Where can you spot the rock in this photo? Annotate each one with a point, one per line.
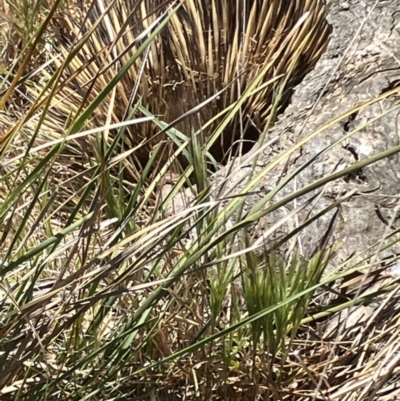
(348, 321)
(362, 62)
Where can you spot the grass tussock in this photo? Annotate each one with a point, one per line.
(124, 273)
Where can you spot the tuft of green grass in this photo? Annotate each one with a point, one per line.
(124, 282)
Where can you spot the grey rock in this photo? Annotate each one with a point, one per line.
(362, 62)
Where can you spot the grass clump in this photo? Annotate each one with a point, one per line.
(129, 279)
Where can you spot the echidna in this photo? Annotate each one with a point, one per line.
(206, 47)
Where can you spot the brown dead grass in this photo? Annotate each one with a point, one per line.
(338, 356)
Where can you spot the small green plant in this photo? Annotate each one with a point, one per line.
(114, 288)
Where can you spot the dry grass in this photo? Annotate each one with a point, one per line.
(106, 293)
(181, 71)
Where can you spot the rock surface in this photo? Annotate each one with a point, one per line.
(362, 62)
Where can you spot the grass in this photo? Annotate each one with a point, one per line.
(139, 279)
